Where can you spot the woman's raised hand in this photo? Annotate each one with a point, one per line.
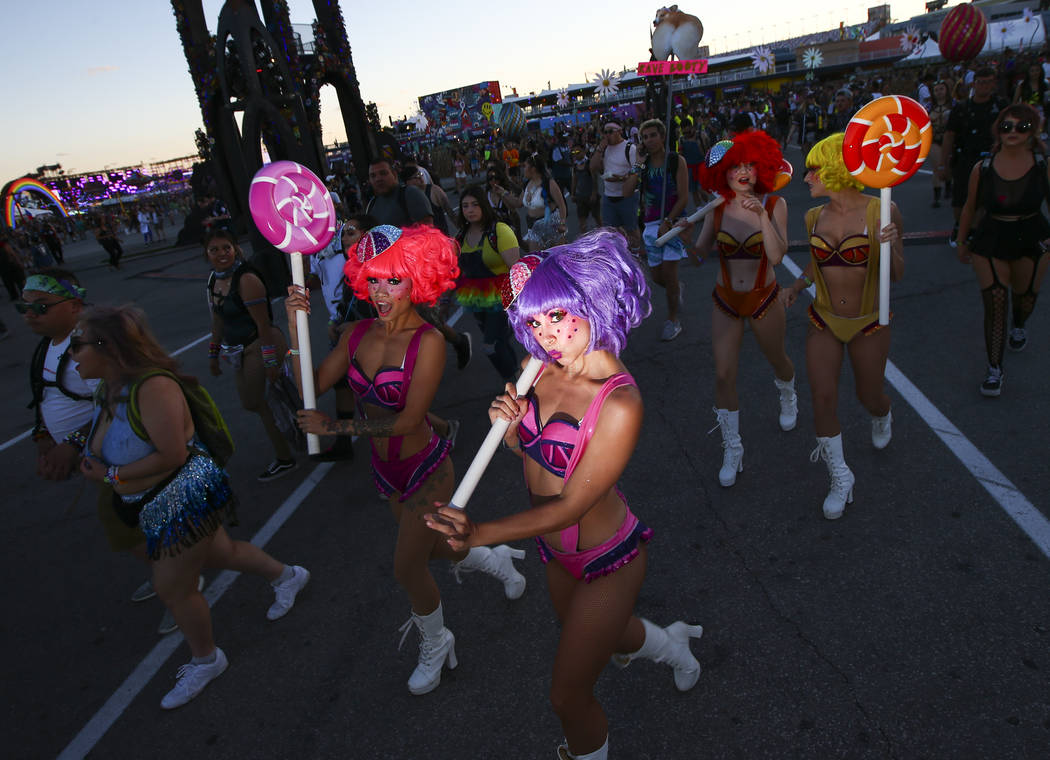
(298, 300)
(508, 407)
(452, 523)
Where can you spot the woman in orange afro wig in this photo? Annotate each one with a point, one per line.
(749, 231)
(394, 365)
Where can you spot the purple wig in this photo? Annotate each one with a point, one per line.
(594, 277)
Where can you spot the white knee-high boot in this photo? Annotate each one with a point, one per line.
(842, 480)
(881, 430)
(437, 646)
(670, 646)
(788, 403)
(497, 562)
(602, 753)
(732, 447)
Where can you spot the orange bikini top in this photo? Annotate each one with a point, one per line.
(730, 248)
(852, 251)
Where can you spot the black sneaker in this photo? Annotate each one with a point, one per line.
(464, 349)
(278, 469)
(1018, 339)
(993, 384)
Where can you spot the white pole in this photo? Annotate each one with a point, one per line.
(693, 218)
(306, 362)
(884, 258)
(466, 486)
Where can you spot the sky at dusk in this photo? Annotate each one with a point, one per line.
(97, 83)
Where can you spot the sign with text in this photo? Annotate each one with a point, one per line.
(664, 68)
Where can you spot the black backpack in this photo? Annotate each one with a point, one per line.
(37, 383)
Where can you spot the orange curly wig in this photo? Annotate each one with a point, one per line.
(751, 147)
(423, 254)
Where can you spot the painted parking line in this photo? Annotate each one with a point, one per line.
(1008, 496)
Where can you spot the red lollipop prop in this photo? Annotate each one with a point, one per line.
(293, 210)
(963, 33)
(886, 142)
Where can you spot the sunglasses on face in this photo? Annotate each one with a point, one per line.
(75, 344)
(40, 309)
(1021, 127)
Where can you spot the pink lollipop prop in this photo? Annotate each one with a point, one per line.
(294, 212)
(886, 142)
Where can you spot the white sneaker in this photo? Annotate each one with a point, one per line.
(881, 431)
(671, 330)
(191, 680)
(286, 592)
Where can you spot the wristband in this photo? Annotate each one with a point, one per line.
(76, 439)
(269, 356)
(515, 447)
(112, 476)
(213, 350)
(806, 280)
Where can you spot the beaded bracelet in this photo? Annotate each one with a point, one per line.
(213, 350)
(269, 355)
(806, 280)
(76, 439)
(112, 476)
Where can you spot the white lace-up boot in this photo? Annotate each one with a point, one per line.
(497, 562)
(670, 646)
(788, 403)
(602, 753)
(732, 447)
(881, 430)
(437, 646)
(841, 493)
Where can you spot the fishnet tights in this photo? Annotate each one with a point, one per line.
(994, 297)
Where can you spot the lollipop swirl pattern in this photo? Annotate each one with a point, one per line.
(292, 207)
(887, 141)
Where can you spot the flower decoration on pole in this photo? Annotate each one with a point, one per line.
(762, 59)
(606, 84)
(563, 97)
(811, 59)
(420, 122)
(1027, 17)
(910, 40)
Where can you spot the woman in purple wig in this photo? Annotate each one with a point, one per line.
(572, 308)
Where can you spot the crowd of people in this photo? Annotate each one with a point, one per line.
(111, 404)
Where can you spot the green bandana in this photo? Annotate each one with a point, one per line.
(45, 283)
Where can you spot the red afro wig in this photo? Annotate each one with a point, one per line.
(751, 147)
(422, 254)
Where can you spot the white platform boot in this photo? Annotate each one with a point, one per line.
(497, 562)
(602, 753)
(881, 430)
(841, 493)
(788, 403)
(732, 447)
(437, 646)
(670, 646)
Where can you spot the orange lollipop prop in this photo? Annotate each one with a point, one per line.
(886, 142)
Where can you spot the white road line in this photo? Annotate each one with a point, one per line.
(1027, 517)
(26, 434)
(118, 702)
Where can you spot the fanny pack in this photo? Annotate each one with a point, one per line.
(232, 355)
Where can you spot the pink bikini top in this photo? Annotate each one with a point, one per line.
(559, 445)
(389, 387)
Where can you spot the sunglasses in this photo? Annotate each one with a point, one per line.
(1022, 127)
(75, 344)
(39, 309)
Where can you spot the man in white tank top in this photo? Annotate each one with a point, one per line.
(614, 160)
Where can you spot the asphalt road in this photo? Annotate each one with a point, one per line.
(917, 626)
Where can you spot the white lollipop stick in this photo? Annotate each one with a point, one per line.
(693, 218)
(306, 362)
(884, 259)
(466, 486)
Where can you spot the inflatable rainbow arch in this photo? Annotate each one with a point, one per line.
(13, 188)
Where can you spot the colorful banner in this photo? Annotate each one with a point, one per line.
(665, 68)
(453, 111)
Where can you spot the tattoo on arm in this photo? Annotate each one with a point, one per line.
(380, 428)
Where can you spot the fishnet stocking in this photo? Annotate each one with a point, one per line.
(994, 297)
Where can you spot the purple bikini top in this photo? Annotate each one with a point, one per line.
(389, 387)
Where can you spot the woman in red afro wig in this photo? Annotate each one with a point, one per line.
(394, 365)
(749, 231)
